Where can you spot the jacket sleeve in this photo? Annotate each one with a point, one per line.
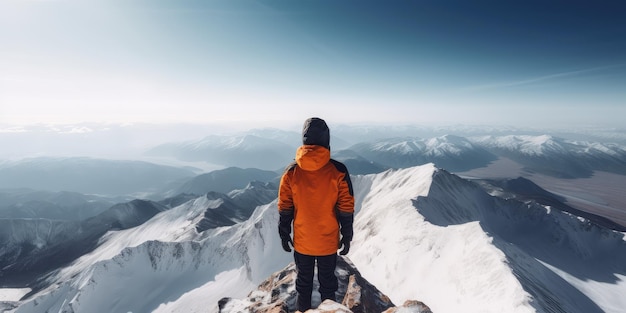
(285, 206)
(285, 195)
(345, 203)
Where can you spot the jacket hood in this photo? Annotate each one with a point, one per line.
(312, 157)
(316, 132)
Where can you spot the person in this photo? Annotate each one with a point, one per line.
(315, 194)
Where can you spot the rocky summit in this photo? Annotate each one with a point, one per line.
(277, 294)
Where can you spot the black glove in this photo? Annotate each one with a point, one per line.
(286, 243)
(284, 229)
(346, 221)
(346, 246)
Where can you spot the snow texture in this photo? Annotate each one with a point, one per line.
(423, 233)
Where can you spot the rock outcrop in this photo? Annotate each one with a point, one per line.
(277, 294)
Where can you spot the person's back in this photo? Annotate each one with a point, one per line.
(316, 194)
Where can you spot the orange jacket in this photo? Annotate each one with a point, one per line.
(317, 189)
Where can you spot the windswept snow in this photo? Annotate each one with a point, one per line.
(423, 233)
(163, 262)
(452, 269)
(610, 295)
(234, 283)
(13, 294)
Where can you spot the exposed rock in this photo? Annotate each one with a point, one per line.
(361, 296)
(277, 294)
(329, 306)
(410, 306)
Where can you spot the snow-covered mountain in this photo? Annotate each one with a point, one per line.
(237, 206)
(165, 265)
(32, 247)
(35, 246)
(421, 233)
(557, 156)
(366, 133)
(254, 194)
(526, 191)
(88, 175)
(425, 233)
(246, 151)
(544, 154)
(450, 152)
(273, 149)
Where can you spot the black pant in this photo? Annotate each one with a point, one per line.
(305, 265)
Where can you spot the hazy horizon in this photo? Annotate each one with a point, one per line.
(271, 63)
(133, 140)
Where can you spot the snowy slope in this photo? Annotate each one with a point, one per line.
(32, 247)
(163, 263)
(426, 234)
(420, 233)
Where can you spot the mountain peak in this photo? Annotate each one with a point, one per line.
(433, 224)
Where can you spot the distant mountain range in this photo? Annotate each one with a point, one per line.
(451, 152)
(246, 151)
(556, 156)
(89, 176)
(265, 152)
(224, 180)
(62, 205)
(544, 154)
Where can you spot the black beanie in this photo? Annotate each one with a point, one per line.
(316, 132)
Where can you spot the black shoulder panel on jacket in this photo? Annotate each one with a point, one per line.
(290, 167)
(340, 166)
(343, 169)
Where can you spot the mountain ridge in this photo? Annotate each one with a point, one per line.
(451, 217)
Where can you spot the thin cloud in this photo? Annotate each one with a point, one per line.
(11, 79)
(535, 80)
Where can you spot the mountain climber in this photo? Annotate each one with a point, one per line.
(315, 194)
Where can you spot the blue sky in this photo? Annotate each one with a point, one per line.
(263, 63)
